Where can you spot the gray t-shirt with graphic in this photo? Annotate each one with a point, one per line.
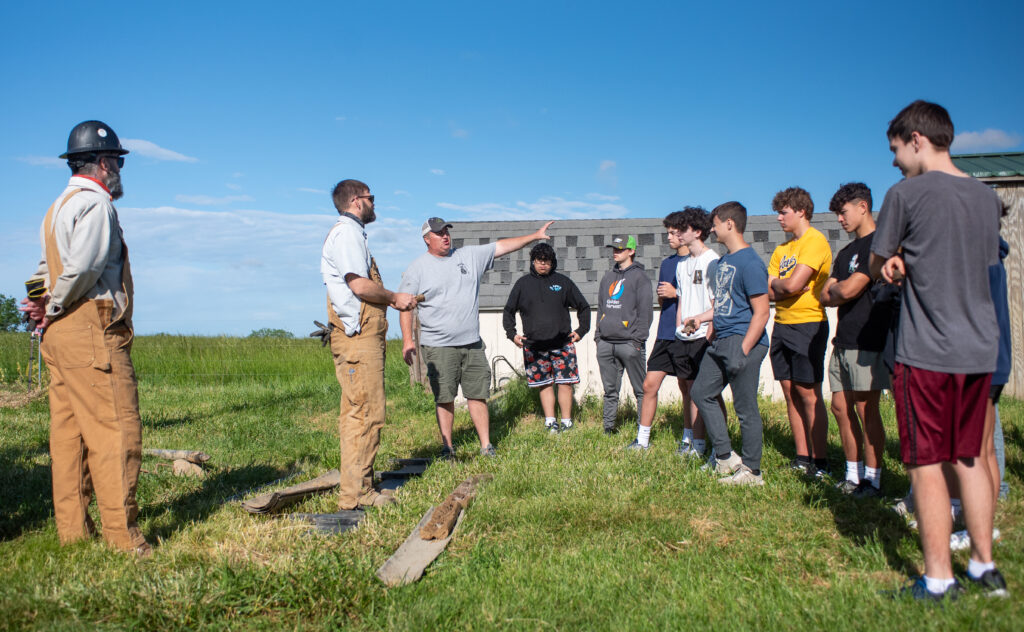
(948, 227)
(450, 312)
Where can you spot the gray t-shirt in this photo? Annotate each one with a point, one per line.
(450, 313)
(948, 227)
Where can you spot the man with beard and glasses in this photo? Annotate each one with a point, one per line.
(85, 320)
(357, 303)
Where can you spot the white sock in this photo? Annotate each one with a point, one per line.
(687, 435)
(698, 445)
(567, 423)
(874, 476)
(549, 421)
(937, 586)
(643, 435)
(853, 471)
(976, 569)
(860, 470)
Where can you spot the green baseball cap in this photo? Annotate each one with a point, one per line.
(620, 242)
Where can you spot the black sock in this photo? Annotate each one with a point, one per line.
(806, 460)
(821, 464)
(755, 472)
(723, 458)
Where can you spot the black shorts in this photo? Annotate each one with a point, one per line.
(680, 358)
(798, 352)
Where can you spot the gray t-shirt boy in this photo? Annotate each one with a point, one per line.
(948, 227)
(450, 313)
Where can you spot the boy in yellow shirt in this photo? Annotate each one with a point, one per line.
(797, 273)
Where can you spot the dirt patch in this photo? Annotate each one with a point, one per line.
(17, 398)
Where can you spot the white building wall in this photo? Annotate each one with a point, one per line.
(493, 335)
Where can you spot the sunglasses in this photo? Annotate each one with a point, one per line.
(368, 197)
(118, 159)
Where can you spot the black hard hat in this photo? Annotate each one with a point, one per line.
(91, 136)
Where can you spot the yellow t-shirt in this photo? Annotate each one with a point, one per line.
(811, 250)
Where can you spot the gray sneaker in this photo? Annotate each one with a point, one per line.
(636, 447)
(687, 451)
(743, 476)
(724, 466)
(846, 486)
(488, 451)
(566, 425)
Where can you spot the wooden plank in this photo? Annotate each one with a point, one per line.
(415, 555)
(1013, 232)
(275, 501)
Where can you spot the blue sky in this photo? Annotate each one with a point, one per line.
(242, 116)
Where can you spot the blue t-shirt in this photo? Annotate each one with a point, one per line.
(667, 321)
(733, 279)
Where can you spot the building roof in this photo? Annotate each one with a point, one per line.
(582, 256)
(992, 167)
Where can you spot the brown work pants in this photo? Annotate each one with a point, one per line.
(95, 429)
(359, 365)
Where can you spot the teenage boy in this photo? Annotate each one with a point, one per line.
(544, 298)
(738, 282)
(625, 307)
(796, 275)
(938, 228)
(857, 372)
(672, 356)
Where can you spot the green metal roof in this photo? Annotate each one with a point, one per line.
(991, 165)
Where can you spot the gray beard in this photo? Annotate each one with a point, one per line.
(114, 185)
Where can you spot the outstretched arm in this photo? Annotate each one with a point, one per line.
(511, 244)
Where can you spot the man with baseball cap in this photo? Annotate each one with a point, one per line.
(86, 321)
(625, 307)
(449, 280)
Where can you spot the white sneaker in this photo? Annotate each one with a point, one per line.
(724, 466)
(961, 541)
(743, 476)
(687, 451)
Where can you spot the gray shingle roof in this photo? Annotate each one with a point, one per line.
(579, 246)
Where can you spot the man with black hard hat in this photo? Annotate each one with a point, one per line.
(85, 319)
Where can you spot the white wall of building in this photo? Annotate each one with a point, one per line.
(493, 335)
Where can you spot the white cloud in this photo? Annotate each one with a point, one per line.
(340, 118)
(607, 172)
(437, 172)
(209, 200)
(233, 186)
(549, 207)
(43, 161)
(402, 192)
(246, 268)
(309, 190)
(237, 174)
(601, 197)
(152, 150)
(988, 140)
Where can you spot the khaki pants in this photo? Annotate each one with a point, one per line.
(359, 365)
(95, 429)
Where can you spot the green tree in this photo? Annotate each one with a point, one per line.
(10, 317)
(267, 332)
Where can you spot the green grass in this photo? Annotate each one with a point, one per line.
(572, 532)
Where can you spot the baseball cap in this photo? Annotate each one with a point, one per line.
(622, 241)
(434, 225)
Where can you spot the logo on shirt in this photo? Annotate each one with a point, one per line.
(463, 269)
(786, 266)
(853, 264)
(616, 289)
(555, 288)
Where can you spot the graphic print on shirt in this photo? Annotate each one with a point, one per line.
(698, 277)
(463, 269)
(615, 289)
(853, 263)
(786, 266)
(724, 275)
(555, 288)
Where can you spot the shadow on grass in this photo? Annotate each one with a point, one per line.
(217, 488)
(26, 497)
(1013, 435)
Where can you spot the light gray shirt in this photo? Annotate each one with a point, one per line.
(450, 313)
(948, 227)
(345, 251)
(88, 237)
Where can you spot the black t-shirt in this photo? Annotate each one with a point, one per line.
(863, 323)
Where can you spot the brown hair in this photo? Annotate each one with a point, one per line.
(795, 198)
(734, 211)
(930, 120)
(344, 191)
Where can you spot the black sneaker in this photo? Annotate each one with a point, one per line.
(447, 454)
(801, 467)
(609, 431)
(866, 490)
(991, 583)
(919, 592)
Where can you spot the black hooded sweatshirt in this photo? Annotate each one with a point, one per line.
(544, 302)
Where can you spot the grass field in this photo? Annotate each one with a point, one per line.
(572, 532)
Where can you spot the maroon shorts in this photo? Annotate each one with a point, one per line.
(941, 416)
